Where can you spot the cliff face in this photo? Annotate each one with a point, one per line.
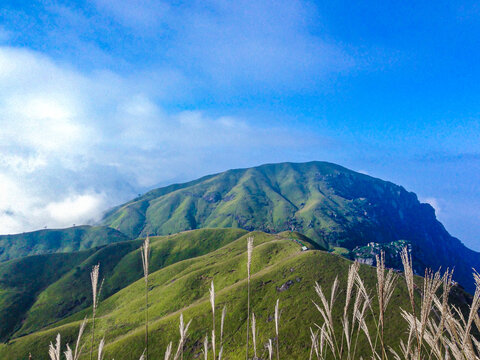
(334, 206)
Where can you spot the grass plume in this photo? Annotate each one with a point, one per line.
(212, 303)
(94, 276)
(249, 264)
(277, 324)
(145, 252)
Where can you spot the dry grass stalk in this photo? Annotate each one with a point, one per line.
(212, 303)
(69, 354)
(168, 351)
(94, 276)
(183, 336)
(254, 337)
(314, 347)
(353, 323)
(100, 349)
(249, 263)
(205, 348)
(409, 279)
(277, 323)
(145, 252)
(54, 351)
(385, 288)
(270, 349)
(325, 308)
(224, 313)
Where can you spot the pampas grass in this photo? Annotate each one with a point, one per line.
(212, 303)
(205, 348)
(224, 313)
(277, 323)
(100, 349)
(270, 349)
(69, 354)
(249, 264)
(54, 351)
(183, 336)
(94, 276)
(254, 336)
(145, 252)
(168, 351)
(385, 288)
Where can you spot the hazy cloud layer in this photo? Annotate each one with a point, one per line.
(73, 144)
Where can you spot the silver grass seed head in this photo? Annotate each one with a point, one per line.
(254, 337)
(100, 349)
(222, 322)
(54, 351)
(277, 316)
(249, 253)
(68, 353)
(94, 274)
(145, 252)
(168, 351)
(270, 349)
(212, 297)
(205, 347)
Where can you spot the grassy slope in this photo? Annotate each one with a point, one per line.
(57, 240)
(39, 290)
(21, 281)
(183, 287)
(334, 206)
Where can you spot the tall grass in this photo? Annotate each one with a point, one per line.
(94, 276)
(145, 252)
(249, 264)
(212, 303)
(437, 330)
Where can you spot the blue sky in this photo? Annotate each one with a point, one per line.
(102, 99)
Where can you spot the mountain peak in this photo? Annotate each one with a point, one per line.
(334, 206)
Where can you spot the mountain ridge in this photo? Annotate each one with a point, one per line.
(46, 241)
(334, 206)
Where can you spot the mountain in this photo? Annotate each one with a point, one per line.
(182, 268)
(57, 240)
(338, 208)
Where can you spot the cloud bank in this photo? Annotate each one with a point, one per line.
(75, 143)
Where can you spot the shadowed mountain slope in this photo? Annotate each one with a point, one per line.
(57, 240)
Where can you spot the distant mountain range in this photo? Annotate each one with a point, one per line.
(343, 211)
(340, 209)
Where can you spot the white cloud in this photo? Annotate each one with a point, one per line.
(74, 144)
(76, 208)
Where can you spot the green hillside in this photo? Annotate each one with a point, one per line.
(336, 207)
(57, 240)
(180, 285)
(39, 290)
